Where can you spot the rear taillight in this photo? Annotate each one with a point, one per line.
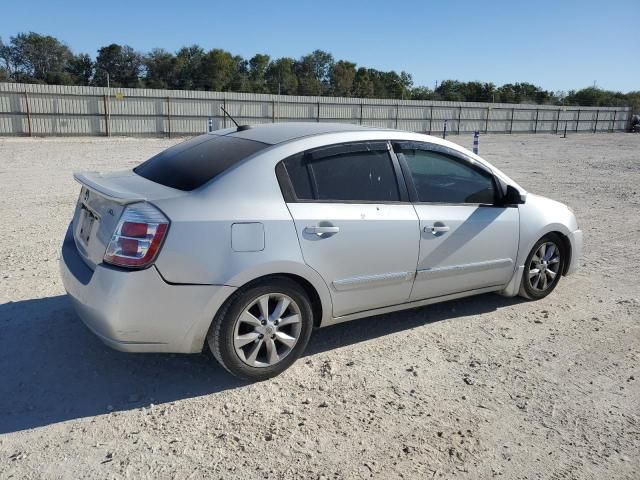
(138, 236)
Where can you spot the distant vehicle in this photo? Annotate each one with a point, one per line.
(247, 238)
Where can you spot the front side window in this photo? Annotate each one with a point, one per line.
(344, 174)
(439, 178)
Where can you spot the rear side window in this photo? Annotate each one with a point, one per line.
(193, 163)
(344, 173)
(439, 178)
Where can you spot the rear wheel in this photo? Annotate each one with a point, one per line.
(262, 329)
(543, 268)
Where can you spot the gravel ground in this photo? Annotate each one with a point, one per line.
(481, 387)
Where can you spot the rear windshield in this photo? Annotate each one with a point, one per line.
(193, 163)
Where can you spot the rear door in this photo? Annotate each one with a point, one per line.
(468, 240)
(355, 224)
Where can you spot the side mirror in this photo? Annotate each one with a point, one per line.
(512, 196)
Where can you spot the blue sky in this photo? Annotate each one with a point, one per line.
(559, 45)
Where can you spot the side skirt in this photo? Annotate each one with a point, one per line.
(410, 305)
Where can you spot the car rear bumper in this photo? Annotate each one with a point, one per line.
(576, 251)
(136, 310)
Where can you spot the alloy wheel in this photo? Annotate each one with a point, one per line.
(544, 266)
(267, 330)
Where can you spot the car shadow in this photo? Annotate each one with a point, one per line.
(53, 369)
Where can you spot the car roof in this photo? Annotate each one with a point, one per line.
(274, 133)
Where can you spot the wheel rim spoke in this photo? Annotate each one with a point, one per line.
(281, 307)
(250, 319)
(263, 305)
(242, 340)
(543, 250)
(272, 352)
(534, 272)
(551, 274)
(536, 281)
(291, 319)
(550, 251)
(251, 359)
(288, 340)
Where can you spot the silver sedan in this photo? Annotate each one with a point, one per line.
(247, 238)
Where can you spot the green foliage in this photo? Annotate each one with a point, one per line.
(342, 77)
(281, 77)
(161, 69)
(34, 58)
(595, 97)
(80, 68)
(121, 62)
(313, 72)
(258, 66)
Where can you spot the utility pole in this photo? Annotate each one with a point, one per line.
(106, 103)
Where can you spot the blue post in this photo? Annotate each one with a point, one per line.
(210, 124)
(476, 141)
(444, 130)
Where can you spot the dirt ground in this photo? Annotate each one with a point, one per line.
(475, 388)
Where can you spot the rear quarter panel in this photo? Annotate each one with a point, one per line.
(199, 245)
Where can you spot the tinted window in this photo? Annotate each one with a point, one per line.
(344, 175)
(193, 163)
(441, 179)
(299, 176)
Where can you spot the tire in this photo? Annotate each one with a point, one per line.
(536, 286)
(243, 341)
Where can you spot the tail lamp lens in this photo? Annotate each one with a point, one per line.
(138, 236)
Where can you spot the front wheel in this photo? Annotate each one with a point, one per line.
(262, 329)
(543, 268)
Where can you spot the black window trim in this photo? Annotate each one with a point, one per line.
(453, 155)
(289, 194)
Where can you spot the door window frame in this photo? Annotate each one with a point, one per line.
(452, 154)
(318, 153)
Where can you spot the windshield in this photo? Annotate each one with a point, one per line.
(193, 163)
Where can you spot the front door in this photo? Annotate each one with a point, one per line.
(355, 226)
(467, 241)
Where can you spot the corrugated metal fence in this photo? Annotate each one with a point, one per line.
(42, 110)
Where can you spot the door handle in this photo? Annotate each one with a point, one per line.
(435, 229)
(320, 230)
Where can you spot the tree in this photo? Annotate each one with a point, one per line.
(258, 66)
(240, 78)
(281, 77)
(80, 68)
(189, 70)
(160, 67)
(342, 77)
(313, 73)
(421, 93)
(363, 83)
(451, 91)
(123, 64)
(31, 57)
(218, 69)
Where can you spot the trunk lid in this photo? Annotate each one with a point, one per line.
(102, 199)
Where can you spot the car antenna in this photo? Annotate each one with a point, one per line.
(227, 114)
